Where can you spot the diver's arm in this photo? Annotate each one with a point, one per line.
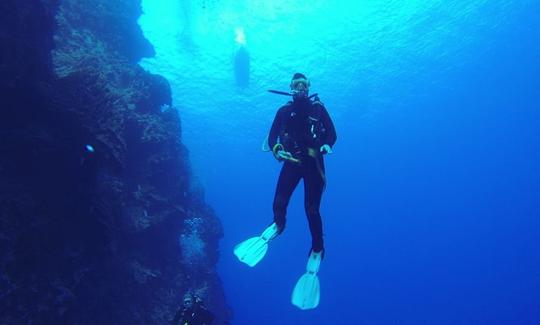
(331, 137)
(274, 130)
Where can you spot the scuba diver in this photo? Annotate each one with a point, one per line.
(193, 312)
(301, 133)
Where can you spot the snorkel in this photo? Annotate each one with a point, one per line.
(284, 93)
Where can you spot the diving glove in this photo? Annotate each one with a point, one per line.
(278, 147)
(284, 155)
(280, 154)
(325, 148)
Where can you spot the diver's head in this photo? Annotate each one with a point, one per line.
(300, 87)
(188, 301)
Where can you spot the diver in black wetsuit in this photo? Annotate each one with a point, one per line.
(193, 312)
(302, 132)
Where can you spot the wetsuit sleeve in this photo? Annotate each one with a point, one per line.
(275, 129)
(331, 136)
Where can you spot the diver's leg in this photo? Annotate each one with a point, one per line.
(313, 189)
(288, 180)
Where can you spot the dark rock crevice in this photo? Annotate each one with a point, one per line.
(115, 233)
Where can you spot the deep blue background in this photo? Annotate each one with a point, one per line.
(432, 219)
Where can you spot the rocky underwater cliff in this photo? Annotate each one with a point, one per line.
(101, 221)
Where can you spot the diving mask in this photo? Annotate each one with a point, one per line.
(300, 88)
(295, 83)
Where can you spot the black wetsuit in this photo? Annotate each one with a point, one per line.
(302, 127)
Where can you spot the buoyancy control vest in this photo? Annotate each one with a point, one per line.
(302, 126)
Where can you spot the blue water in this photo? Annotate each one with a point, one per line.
(432, 209)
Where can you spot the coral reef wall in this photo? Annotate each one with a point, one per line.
(100, 220)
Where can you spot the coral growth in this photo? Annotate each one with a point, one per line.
(191, 243)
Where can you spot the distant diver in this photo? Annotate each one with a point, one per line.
(193, 312)
(241, 67)
(241, 60)
(88, 154)
(301, 133)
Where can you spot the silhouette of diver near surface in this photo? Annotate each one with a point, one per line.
(241, 60)
(241, 67)
(193, 312)
(301, 133)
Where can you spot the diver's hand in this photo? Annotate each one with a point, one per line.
(284, 155)
(277, 150)
(326, 149)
